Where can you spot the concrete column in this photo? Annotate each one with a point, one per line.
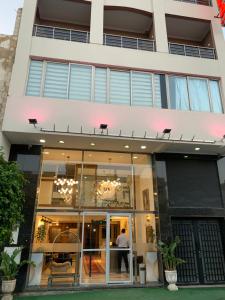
(5, 144)
(160, 26)
(97, 22)
(20, 68)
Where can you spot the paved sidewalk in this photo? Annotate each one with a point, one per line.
(137, 294)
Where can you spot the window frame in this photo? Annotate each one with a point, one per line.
(130, 72)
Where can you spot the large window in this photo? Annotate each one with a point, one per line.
(88, 83)
(85, 200)
(105, 85)
(92, 179)
(197, 94)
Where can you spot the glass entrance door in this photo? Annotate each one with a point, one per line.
(120, 261)
(93, 256)
(106, 249)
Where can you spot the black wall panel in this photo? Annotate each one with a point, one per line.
(193, 183)
(28, 159)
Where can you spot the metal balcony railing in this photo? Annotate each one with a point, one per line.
(195, 51)
(202, 2)
(61, 34)
(129, 42)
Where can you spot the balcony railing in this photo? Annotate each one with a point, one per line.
(187, 50)
(129, 42)
(61, 34)
(202, 2)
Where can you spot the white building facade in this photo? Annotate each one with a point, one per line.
(116, 115)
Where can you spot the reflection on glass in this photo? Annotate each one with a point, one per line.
(178, 93)
(119, 265)
(145, 245)
(56, 250)
(120, 248)
(94, 235)
(107, 180)
(199, 94)
(93, 267)
(60, 183)
(143, 180)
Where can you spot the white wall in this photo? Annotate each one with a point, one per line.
(63, 112)
(89, 115)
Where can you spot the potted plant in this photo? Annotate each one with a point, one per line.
(170, 261)
(10, 268)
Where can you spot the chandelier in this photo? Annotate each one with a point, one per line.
(65, 188)
(106, 189)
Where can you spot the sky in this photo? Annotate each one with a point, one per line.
(8, 10)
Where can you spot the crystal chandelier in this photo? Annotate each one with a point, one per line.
(106, 189)
(65, 188)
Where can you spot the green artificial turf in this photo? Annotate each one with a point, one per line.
(137, 294)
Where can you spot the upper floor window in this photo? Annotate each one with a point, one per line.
(88, 83)
(197, 94)
(113, 86)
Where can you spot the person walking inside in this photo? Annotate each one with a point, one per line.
(122, 241)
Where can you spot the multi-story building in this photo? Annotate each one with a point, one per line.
(115, 114)
(7, 54)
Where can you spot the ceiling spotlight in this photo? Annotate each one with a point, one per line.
(92, 144)
(61, 142)
(103, 126)
(197, 149)
(185, 156)
(33, 122)
(126, 146)
(135, 157)
(143, 147)
(167, 131)
(42, 141)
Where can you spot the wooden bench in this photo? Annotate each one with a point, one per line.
(62, 275)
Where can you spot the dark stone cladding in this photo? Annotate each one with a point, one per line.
(174, 203)
(169, 208)
(29, 161)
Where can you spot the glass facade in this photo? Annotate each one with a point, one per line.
(85, 201)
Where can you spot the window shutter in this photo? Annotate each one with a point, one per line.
(34, 78)
(141, 89)
(120, 87)
(101, 85)
(56, 80)
(80, 83)
(157, 91)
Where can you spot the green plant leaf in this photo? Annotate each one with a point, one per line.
(12, 199)
(167, 251)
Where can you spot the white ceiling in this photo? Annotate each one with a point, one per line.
(186, 29)
(65, 11)
(104, 143)
(124, 20)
